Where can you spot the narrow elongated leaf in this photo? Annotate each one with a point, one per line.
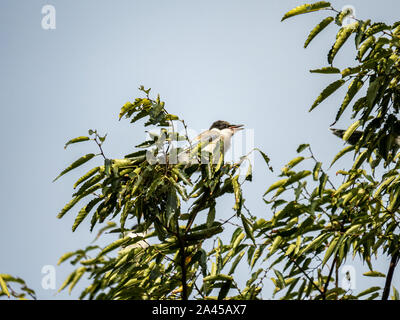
(341, 154)
(3, 286)
(394, 202)
(275, 244)
(326, 70)
(89, 183)
(276, 185)
(236, 262)
(247, 228)
(302, 147)
(354, 87)
(79, 273)
(374, 274)
(316, 170)
(384, 185)
(294, 162)
(87, 176)
(365, 46)
(75, 200)
(372, 92)
(331, 249)
(84, 212)
(369, 290)
(306, 8)
(76, 140)
(327, 92)
(266, 159)
(351, 130)
(375, 28)
(317, 29)
(76, 164)
(218, 277)
(341, 37)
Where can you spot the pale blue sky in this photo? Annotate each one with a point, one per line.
(228, 59)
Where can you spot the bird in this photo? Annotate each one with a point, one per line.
(219, 130)
(353, 139)
(356, 136)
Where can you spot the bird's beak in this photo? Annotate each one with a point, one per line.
(236, 127)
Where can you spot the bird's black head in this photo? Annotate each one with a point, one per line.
(220, 125)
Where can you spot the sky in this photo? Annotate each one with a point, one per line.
(209, 60)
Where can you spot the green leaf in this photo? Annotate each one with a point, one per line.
(394, 201)
(67, 281)
(84, 212)
(354, 87)
(306, 8)
(294, 162)
(76, 140)
(266, 159)
(217, 277)
(384, 185)
(297, 176)
(247, 228)
(76, 164)
(211, 216)
(275, 245)
(183, 176)
(326, 70)
(316, 170)
(341, 37)
(79, 273)
(75, 200)
(87, 176)
(276, 185)
(342, 153)
(372, 92)
(375, 28)
(365, 46)
(314, 32)
(374, 274)
(369, 290)
(125, 108)
(114, 245)
(327, 92)
(236, 262)
(351, 130)
(396, 295)
(302, 147)
(3, 286)
(89, 183)
(361, 32)
(331, 249)
(65, 256)
(281, 279)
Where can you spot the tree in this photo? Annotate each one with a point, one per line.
(164, 199)
(316, 224)
(320, 226)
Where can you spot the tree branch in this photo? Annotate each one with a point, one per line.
(389, 277)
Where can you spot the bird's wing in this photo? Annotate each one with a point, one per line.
(209, 138)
